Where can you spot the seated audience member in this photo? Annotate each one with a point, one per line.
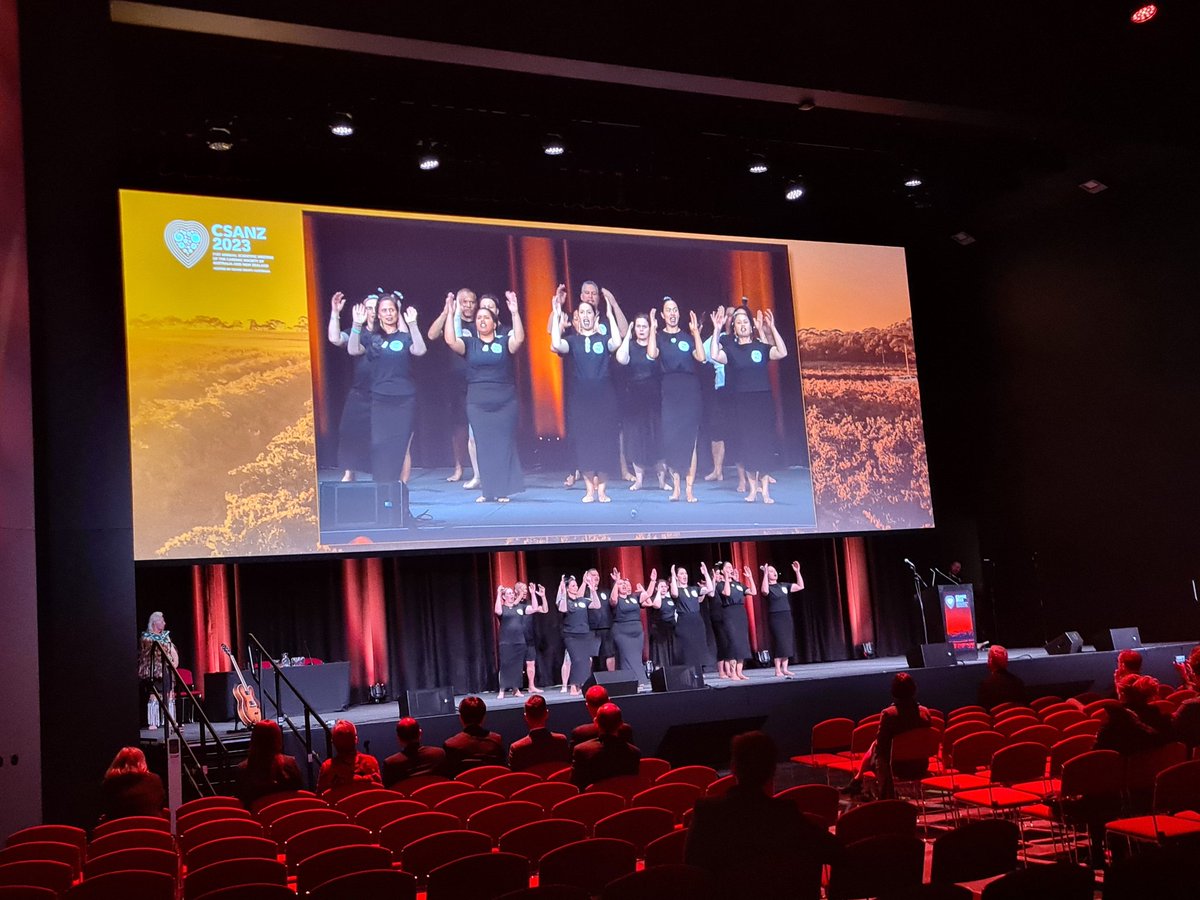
(266, 768)
(541, 745)
(1001, 685)
(1129, 662)
(607, 755)
(1186, 722)
(348, 767)
(1135, 725)
(130, 788)
(905, 714)
(474, 745)
(594, 698)
(753, 844)
(1189, 671)
(413, 758)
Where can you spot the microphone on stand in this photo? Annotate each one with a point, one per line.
(908, 562)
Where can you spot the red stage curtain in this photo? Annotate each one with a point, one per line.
(212, 590)
(858, 590)
(745, 553)
(366, 625)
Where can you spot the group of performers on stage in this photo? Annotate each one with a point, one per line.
(646, 421)
(608, 624)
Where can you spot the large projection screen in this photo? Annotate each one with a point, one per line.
(247, 418)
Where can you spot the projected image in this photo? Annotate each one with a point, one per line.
(520, 384)
(308, 380)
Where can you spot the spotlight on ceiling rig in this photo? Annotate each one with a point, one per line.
(794, 190)
(341, 124)
(553, 145)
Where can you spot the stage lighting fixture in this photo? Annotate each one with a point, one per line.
(219, 138)
(912, 181)
(428, 162)
(553, 145)
(1143, 14)
(795, 190)
(758, 164)
(806, 104)
(1092, 186)
(961, 237)
(341, 124)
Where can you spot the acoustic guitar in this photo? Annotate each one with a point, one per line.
(247, 706)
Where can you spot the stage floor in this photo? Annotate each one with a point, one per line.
(447, 515)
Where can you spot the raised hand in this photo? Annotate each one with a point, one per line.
(718, 318)
(359, 314)
(796, 567)
(704, 570)
(769, 318)
(559, 298)
(616, 574)
(693, 322)
(653, 575)
(338, 301)
(449, 302)
(749, 575)
(653, 319)
(410, 315)
(758, 320)
(609, 299)
(511, 299)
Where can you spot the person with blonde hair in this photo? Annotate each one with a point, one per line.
(151, 668)
(129, 787)
(348, 766)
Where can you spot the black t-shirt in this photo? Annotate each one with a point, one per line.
(488, 361)
(576, 619)
(746, 371)
(589, 356)
(716, 610)
(737, 595)
(779, 597)
(601, 619)
(641, 368)
(689, 598)
(391, 364)
(360, 379)
(512, 624)
(628, 609)
(675, 353)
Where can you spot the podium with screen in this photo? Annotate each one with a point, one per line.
(958, 616)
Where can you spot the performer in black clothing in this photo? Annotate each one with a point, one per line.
(657, 596)
(691, 641)
(681, 354)
(393, 394)
(779, 615)
(641, 397)
(737, 622)
(461, 443)
(714, 587)
(491, 397)
(354, 429)
(629, 636)
(512, 640)
(600, 618)
(588, 356)
(745, 359)
(533, 597)
(577, 634)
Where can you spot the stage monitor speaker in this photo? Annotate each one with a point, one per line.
(677, 678)
(438, 701)
(363, 504)
(928, 656)
(618, 684)
(1118, 639)
(1067, 642)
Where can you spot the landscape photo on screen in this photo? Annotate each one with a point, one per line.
(310, 379)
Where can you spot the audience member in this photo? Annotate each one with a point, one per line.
(1189, 671)
(413, 758)
(1135, 725)
(266, 768)
(1186, 722)
(1001, 685)
(594, 698)
(1129, 662)
(541, 745)
(753, 844)
(348, 767)
(607, 755)
(905, 714)
(474, 745)
(130, 788)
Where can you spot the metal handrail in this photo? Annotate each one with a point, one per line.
(205, 725)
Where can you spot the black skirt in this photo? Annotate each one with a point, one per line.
(593, 427)
(492, 412)
(691, 641)
(354, 432)
(391, 431)
(681, 410)
(512, 665)
(737, 633)
(629, 641)
(662, 644)
(783, 635)
(757, 442)
(580, 648)
(640, 412)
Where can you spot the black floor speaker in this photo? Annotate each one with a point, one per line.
(928, 656)
(1118, 639)
(363, 504)
(676, 678)
(1067, 642)
(618, 684)
(438, 701)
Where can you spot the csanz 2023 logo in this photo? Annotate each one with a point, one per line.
(187, 241)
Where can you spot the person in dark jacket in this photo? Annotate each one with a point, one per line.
(413, 758)
(130, 788)
(1001, 685)
(541, 745)
(606, 756)
(594, 698)
(905, 714)
(266, 768)
(474, 745)
(1135, 725)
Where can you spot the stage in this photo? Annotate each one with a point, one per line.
(695, 726)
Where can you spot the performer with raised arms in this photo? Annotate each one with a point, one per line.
(681, 354)
(528, 595)
(581, 645)
(641, 401)
(629, 637)
(461, 443)
(691, 641)
(354, 428)
(779, 615)
(512, 640)
(737, 622)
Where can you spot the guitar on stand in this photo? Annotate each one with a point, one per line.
(248, 710)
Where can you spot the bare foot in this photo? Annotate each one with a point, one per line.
(741, 487)
(471, 485)
(574, 690)
(636, 486)
(691, 498)
(675, 495)
(500, 696)
(589, 498)
(517, 694)
(604, 498)
(787, 673)
(535, 690)
(569, 481)
(563, 690)
(714, 476)
(628, 476)
(481, 499)
(752, 496)
(458, 474)
(767, 499)
(348, 475)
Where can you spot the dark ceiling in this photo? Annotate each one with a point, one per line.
(1068, 85)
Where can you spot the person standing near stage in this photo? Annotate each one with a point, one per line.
(354, 428)
(737, 622)
(641, 398)
(681, 354)
(461, 445)
(151, 669)
(745, 358)
(577, 633)
(600, 619)
(629, 637)
(528, 596)
(512, 640)
(393, 393)
(492, 398)
(779, 615)
(594, 422)
(657, 596)
(714, 587)
(691, 641)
